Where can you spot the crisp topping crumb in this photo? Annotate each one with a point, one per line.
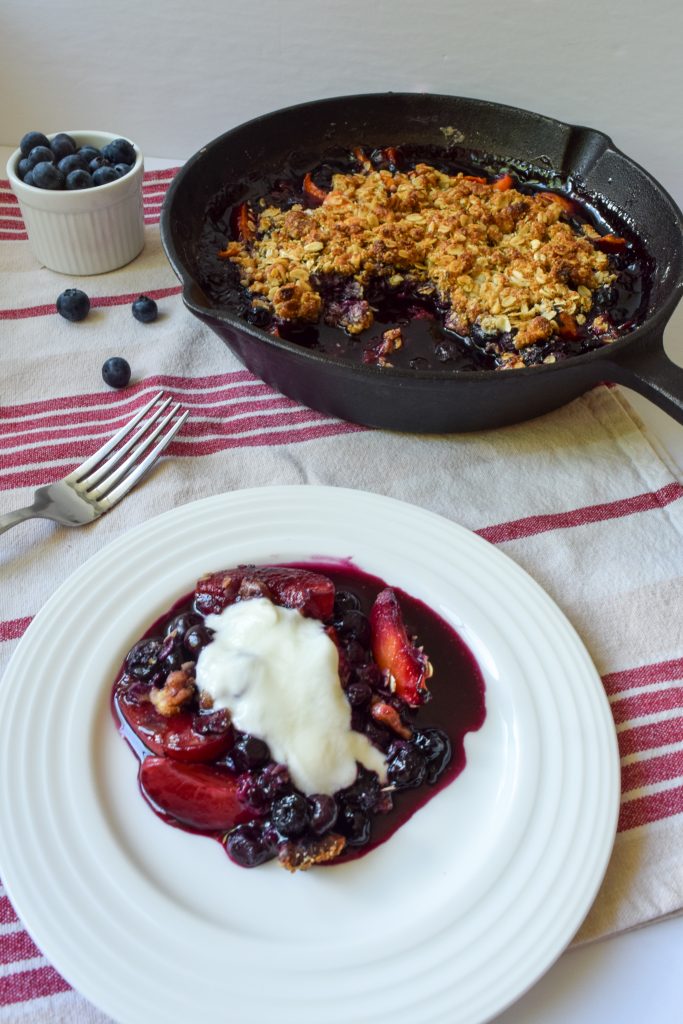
(175, 694)
(302, 856)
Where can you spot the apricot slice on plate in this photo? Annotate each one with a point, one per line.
(198, 795)
(407, 665)
(310, 592)
(178, 736)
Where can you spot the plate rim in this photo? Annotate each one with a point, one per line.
(191, 509)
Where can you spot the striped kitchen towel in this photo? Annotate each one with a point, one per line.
(580, 498)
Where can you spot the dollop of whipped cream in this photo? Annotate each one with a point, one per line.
(277, 673)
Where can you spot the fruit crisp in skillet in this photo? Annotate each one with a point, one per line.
(287, 712)
(509, 275)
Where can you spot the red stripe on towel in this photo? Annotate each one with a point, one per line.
(533, 525)
(648, 703)
(24, 986)
(646, 809)
(17, 946)
(644, 675)
(14, 628)
(651, 770)
(7, 912)
(651, 736)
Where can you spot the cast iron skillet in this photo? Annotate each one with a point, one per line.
(424, 400)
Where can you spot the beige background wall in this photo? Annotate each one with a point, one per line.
(173, 74)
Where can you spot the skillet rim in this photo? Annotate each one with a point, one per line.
(644, 332)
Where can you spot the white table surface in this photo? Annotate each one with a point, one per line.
(635, 977)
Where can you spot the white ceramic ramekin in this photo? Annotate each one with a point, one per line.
(89, 231)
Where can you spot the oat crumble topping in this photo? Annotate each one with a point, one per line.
(496, 258)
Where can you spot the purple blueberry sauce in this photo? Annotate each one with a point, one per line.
(273, 813)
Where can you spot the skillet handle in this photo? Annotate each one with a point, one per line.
(648, 370)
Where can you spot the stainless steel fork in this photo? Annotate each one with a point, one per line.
(95, 486)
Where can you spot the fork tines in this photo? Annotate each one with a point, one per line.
(105, 480)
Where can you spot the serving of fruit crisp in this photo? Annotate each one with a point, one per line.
(297, 712)
(412, 259)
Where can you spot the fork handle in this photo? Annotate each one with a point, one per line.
(9, 519)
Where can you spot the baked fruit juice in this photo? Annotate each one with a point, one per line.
(301, 713)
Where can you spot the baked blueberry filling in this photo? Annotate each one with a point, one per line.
(428, 260)
(406, 713)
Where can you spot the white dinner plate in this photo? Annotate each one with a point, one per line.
(451, 920)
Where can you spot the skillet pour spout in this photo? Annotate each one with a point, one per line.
(430, 401)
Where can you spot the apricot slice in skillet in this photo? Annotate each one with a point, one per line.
(243, 222)
(316, 194)
(567, 204)
(610, 243)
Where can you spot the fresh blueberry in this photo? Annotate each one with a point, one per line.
(116, 372)
(46, 175)
(97, 162)
(28, 178)
(73, 304)
(323, 812)
(31, 140)
(145, 309)
(23, 168)
(247, 847)
(104, 175)
(62, 145)
(120, 151)
(197, 637)
(40, 155)
(290, 815)
(88, 153)
(121, 169)
(72, 162)
(79, 179)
